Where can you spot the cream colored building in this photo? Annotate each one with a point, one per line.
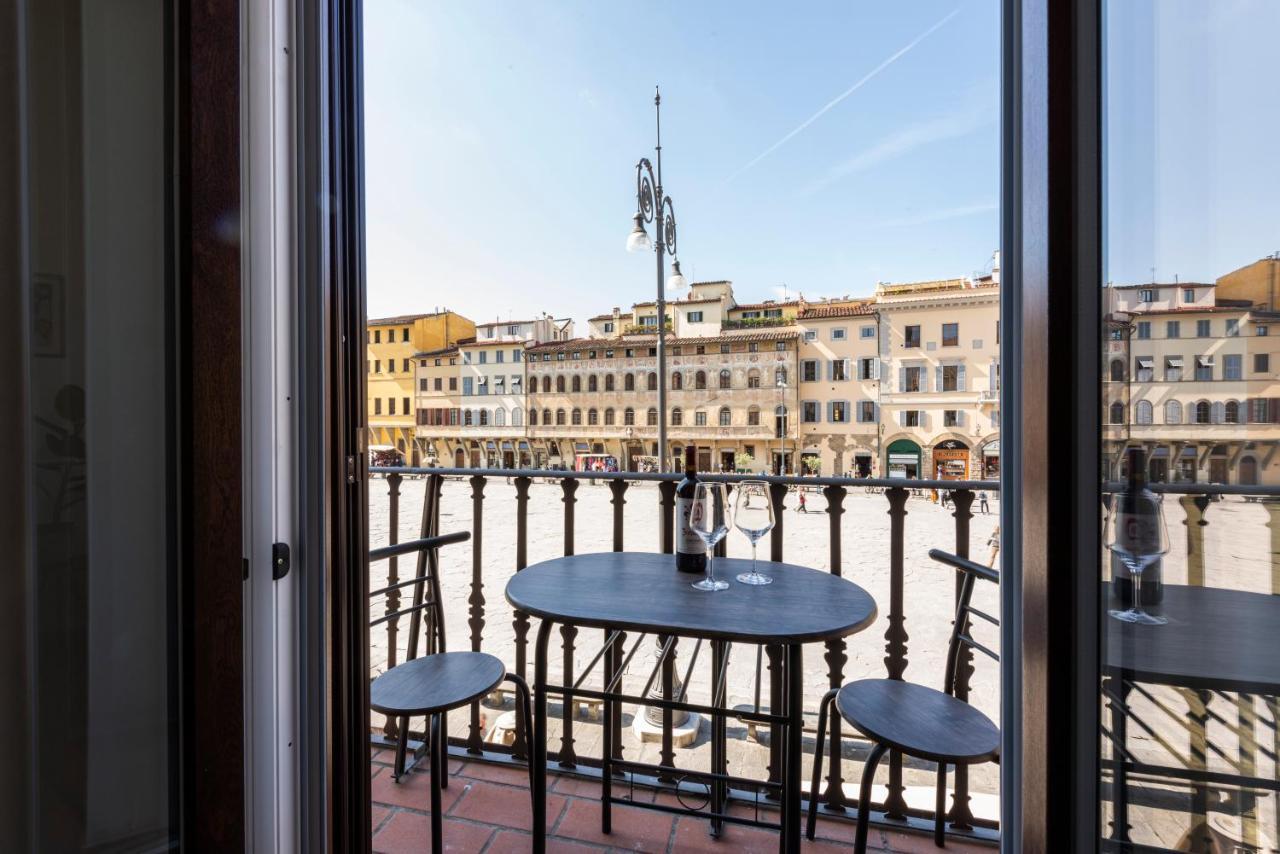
(439, 409)
(839, 389)
(940, 387)
(1192, 377)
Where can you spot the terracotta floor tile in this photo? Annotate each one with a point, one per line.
(692, 834)
(508, 806)
(512, 842)
(380, 815)
(410, 832)
(579, 787)
(508, 774)
(414, 791)
(634, 829)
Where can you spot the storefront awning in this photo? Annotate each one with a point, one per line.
(507, 446)
(581, 447)
(491, 445)
(523, 445)
(991, 449)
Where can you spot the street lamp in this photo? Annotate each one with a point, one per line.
(786, 417)
(655, 207)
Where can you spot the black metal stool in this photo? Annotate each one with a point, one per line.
(922, 722)
(440, 681)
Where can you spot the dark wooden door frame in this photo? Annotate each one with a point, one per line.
(208, 146)
(1051, 238)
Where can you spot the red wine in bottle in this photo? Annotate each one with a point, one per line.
(1133, 502)
(691, 552)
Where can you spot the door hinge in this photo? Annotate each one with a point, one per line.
(279, 560)
(351, 469)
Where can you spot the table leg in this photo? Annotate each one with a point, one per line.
(538, 750)
(606, 755)
(1120, 781)
(718, 732)
(795, 724)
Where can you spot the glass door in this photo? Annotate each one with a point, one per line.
(1189, 709)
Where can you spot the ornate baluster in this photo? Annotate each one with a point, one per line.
(666, 516)
(389, 728)
(960, 816)
(667, 755)
(619, 490)
(569, 486)
(475, 735)
(778, 493)
(835, 656)
(567, 757)
(520, 620)
(895, 662)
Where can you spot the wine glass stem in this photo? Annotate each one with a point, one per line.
(753, 559)
(711, 566)
(1137, 591)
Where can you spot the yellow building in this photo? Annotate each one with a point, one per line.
(839, 389)
(391, 348)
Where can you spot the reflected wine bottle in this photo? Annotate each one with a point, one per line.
(1136, 500)
(691, 552)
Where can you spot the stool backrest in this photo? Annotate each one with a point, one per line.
(961, 636)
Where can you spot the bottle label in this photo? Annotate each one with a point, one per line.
(1137, 533)
(687, 542)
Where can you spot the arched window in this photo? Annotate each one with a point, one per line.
(628, 416)
(546, 383)
(651, 381)
(517, 417)
(500, 417)
(577, 417)
(1231, 412)
(546, 417)
(677, 417)
(1117, 413)
(593, 416)
(1173, 412)
(651, 417)
(484, 417)
(1117, 370)
(677, 380)
(1203, 412)
(726, 417)
(467, 417)
(559, 417)
(593, 383)
(628, 382)
(608, 417)
(560, 383)
(1142, 412)
(575, 385)
(780, 377)
(533, 418)
(700, 379)
(780, 422)
(726, 379)
(1217, 413)
(753, 378)
(608, 382)
(753, 416)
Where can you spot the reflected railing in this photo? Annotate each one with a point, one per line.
(1189, 768)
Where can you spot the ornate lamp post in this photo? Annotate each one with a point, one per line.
(653, 206)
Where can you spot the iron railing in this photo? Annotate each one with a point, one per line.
(895, 492)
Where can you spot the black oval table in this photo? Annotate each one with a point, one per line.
(643, 592)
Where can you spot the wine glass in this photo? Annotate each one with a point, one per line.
(1137, 535)
(709, 519)
(753, 516)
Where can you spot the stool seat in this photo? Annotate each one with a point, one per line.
(918, 720)
(435, 683)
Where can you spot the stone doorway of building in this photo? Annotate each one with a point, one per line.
(459, 459)
(727, 461)
(862, 465)
(951, 460)
(1158, 470)
(1248, 472)
(704, 459)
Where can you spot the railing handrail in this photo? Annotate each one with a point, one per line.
(410, 546)
(789, 480)
(1198, 488)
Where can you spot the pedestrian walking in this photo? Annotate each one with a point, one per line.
(982, 503)
(803, 508)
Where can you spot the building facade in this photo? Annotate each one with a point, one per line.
(391, 348)
(1190, 377)
(940, 392)
(839, 389)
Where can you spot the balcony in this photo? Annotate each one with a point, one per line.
(757, 323)
(876, 532)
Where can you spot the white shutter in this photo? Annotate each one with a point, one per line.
(937, 378)
(960, 382)
(959, 417)
(991, 375)
(902, 379)
(902, 418)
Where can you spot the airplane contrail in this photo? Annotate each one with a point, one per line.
(845, 94)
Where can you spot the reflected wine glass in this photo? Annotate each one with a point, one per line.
(709, 519)
(753, 516)
(1137, 535)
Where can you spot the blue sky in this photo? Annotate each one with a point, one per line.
(820, 148)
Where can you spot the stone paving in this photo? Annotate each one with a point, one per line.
(1238, 554)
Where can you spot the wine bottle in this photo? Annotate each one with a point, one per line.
(1135, 504)
(691, 552)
